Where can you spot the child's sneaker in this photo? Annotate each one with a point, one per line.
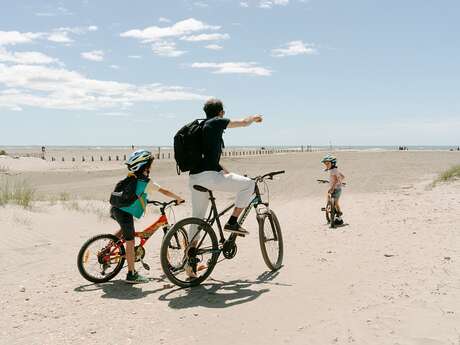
(338, 221)
(135, 278)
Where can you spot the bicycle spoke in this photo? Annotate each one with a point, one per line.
(100, 259)
(202, 240)
(197, 256)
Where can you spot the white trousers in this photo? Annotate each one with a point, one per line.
(218, 181)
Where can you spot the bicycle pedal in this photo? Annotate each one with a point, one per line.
(323, 208)
(146, 266)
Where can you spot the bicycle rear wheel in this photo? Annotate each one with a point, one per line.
(101, 258)
(271, 240)
(189, 252)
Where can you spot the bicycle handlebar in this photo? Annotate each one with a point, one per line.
(163, 204)
(269, 175)
(327, 181)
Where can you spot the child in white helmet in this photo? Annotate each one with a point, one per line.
(335, 184)
(138, 182)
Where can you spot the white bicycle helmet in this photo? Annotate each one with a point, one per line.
(138, 159)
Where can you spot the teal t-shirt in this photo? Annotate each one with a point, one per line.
(137, 208)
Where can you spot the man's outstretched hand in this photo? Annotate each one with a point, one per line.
(257, 118)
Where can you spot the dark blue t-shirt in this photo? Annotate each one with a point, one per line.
(213, 143)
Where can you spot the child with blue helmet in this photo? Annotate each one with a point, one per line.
(335, 183)
(139, 165)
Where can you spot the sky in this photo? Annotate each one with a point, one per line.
(359, 72)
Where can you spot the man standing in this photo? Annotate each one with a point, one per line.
(210, 174)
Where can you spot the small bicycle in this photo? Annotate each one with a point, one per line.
(102, 257)
(330, 209)
(200, 250)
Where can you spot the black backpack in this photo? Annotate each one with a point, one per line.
(188, 146)
(125, 192)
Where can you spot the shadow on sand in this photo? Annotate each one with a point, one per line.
(118, 289)
(219, 294)
(213, 294)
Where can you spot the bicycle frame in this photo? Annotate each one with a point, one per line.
(145, 234)
(214, 214)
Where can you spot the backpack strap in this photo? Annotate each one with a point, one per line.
(142, 202)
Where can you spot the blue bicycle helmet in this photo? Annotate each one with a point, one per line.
(329, 158)
(138, 159)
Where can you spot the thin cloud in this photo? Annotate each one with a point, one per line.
(200, 4)
(135, 56)
(271, 3)
(155, 33)
(244, 4)
(16, 37)
(61, 35)
(167, 49)
(295, 48)
(164, 20)
(26, 58)
(59, 88)
(247, 68)
(58, 35)
(59, 11)
(115, 114)
(95, 55)
(206, 37)
(214, 47)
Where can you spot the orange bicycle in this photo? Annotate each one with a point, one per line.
(102, 257)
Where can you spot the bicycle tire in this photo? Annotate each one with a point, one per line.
(81, 258)
(333, 214)
(327, 211)
(211, 263)
(275, 227)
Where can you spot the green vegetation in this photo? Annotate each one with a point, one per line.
(64, 196)
(449, 175)
(18, 192)
(3, 153)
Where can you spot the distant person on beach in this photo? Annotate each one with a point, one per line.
(129, 200)
(210, 174)
(335, 183)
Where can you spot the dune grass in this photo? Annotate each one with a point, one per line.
(450, 174)
(18, 192)
(3, 153)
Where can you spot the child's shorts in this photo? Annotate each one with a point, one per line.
(126, 222)
(337, 193)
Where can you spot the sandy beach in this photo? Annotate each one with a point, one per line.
(390, 276)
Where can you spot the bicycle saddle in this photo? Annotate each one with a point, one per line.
(201, 189)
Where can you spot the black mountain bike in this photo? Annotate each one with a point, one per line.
(198, 254)
(330, 209)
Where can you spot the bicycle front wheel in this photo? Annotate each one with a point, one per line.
(271, 240)
(327, 211)
(189, 252)
(101, 258)
(333, 213)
